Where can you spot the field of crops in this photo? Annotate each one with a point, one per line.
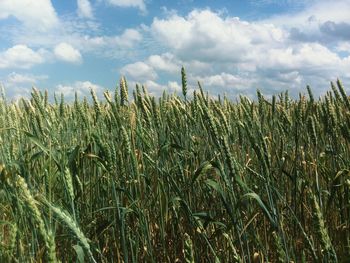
(180, 178)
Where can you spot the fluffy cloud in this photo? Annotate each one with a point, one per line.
(164, 62)
(139, 71)
(18, 85)
(206, 36)
(128, 38)
(318, 21)
(15, 78)
(20, 56)
(343, 47)
(314, 12)
(140, 4)
(82, 88)
(67, 53)
(84, 9)
(295, 3)
(309, 57)
(337, 30)
(224, 80)
(38, 14)
(155, 88)
(106, 46)
(41, 27)
(226, 53)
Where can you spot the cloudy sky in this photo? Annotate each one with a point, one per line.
(232, 47)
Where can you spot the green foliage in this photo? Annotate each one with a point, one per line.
(175, 179)
(184, 82)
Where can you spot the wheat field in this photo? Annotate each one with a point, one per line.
(180, 178)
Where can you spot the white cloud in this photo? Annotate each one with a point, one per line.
(15, 78)
(319, 21)
(67, 53)
(106, 46)
(82, 88)
(311, 57)
(314, 13)
(20, 56)
(38, 14)
(295, 3)
(85, 9)
(139, 71)
(221, 80)
(164, 62)
(343, 47)
(155, 89)
(140, 4)
(206, 36)
(15, 93)
(291, 77)
(43, 28)
(226, 53)
(128, 38)
(174, 86)
(18, 85)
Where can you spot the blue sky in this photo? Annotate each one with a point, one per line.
(232, 47)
